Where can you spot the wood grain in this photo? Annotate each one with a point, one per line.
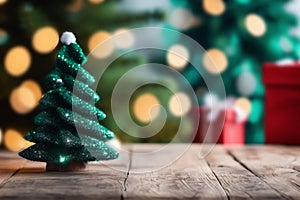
(10, 163)
(240, 172)
(273, 165)
(99, 181)
(238, 182)
(186, 178)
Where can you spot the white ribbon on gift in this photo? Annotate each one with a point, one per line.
(211, 100)
(285, 62)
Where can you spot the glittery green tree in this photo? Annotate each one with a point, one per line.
(68, 133)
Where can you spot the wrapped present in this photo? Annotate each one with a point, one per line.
(282, 102)
(226, 124)
(234, 128)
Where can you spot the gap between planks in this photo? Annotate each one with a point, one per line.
(233, 172)
(237, 181)
(98, 181)
(187, 178)
(275, 165)
(10, 166)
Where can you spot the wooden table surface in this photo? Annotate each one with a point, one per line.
(230, 172)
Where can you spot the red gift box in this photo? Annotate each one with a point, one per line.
(282, 103)
(232, 130)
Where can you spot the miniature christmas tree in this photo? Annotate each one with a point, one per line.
(67, 110)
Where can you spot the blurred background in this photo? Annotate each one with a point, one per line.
(238, 35)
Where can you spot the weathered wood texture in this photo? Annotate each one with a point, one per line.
(10, 163)
(241, 172)
(276, 166)
(187, 178)
(237, 181)
(97, 182)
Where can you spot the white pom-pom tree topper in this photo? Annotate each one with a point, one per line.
(68, 38)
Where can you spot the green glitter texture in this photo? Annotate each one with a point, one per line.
(69, 101)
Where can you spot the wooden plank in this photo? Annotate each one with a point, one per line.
(273, 165)
(246, 172)
(293, 151)
(99, 181)
(188, 177)
(238, 182)
(10, 163)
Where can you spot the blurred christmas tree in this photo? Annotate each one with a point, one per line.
(29, 34)
(239, 35)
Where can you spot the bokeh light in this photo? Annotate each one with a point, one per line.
(34, 87)
(210, 99)
(106, 48)
(286, 44)
(146, 108)
(255, 25)
(14, 141)
(178, 56)
(215, 61)
(182, 19)
(22, 100)
(180, 104)
(126, 40)
(17, 61)
(214, 7)
(246, 83)
(3, 36)
(244, 104)
(2, 2)
(96, 1)
(45, 39)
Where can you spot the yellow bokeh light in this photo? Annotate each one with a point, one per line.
(214, 7)
(215, 61)
(34, 87)
(96, 1)
(22, 100)
(125, 40)
(178, 57)
(2, 2)
(14, 141)
(105, 48)
(255, 25)
(180, 104)
(145, 108)
(45, 39)
(17, 61)
(244, 104)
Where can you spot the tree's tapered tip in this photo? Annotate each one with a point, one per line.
(68, 38)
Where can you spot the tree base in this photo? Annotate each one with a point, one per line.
(72, 166)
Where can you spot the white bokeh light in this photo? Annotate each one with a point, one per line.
(246, 83)
(182, 19)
